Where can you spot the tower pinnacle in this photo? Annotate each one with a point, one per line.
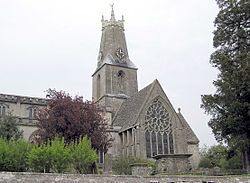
(112, 13)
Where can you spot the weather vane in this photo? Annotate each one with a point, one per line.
(112, 6)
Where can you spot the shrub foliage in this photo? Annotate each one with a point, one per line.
(53, 156)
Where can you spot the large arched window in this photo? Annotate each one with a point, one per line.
(157, 123)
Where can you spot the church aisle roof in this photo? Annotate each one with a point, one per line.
(127, 113)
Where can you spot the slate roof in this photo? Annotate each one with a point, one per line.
(127, 114)
(191, 137)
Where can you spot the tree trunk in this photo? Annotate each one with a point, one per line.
(246, 160)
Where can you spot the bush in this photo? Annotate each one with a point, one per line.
(153, 168)
(121, 165)
(61, 155)
(83, 155)
(39, 158)
(55, 155)
(14, 154)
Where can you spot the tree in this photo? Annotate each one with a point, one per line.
(9, 128)
(220, 156)
(72, 118)
(229, 106)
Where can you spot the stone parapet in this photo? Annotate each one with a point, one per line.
(13, 177)
(22, 99)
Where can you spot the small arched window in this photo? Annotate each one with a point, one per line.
(30, 113)
(3, 111)
(120, 82)
(98, 87)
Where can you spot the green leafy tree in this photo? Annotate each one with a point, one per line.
(9, 128)
(230, 105)
(220, 156)
(83, 155)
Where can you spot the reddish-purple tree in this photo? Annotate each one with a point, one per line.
(71, 118)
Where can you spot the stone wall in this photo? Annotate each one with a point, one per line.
(67, 178)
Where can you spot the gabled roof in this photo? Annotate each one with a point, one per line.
(191, 137)
(127, 114)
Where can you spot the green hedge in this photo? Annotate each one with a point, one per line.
(53, 156)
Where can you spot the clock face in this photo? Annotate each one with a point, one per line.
(119, 53)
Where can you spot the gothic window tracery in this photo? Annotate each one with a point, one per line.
(158, 130)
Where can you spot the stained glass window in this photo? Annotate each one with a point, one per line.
(157, 122)
(157, 117)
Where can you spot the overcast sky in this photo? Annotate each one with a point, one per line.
(54, 44)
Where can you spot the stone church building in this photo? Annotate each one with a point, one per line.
(143, 123)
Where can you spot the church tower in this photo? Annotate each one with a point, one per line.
(115, 78)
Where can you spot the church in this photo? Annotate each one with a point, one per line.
(143, 123)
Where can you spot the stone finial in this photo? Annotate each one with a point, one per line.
(179, 110)
(112, 13)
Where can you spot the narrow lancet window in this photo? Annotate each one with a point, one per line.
(30, 113)
(171, 143)
(3, 111)
(159, 143)
(98, 87)
(154, 143)
(165, 142)
(148, 146)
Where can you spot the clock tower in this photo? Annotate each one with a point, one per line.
(115, 78)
